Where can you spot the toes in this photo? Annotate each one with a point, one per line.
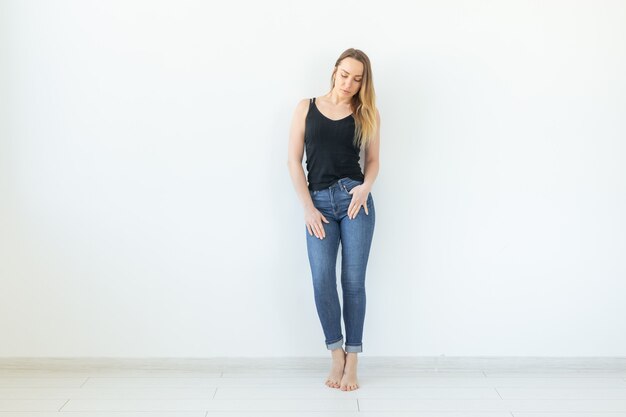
(332, 384)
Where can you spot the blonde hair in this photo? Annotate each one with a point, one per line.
(364, 102)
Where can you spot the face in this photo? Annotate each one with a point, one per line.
(349, 77)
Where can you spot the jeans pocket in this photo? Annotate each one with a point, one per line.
(349, 184)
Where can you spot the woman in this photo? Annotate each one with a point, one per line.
(334, 128)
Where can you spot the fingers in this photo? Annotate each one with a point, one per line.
(320, 231)
(353, 210)
(315, 226)
(316, 229)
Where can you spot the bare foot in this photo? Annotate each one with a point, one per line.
(349, 381)
(339, 360)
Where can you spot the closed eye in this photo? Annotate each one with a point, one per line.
(344, 76)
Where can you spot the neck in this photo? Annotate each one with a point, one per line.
(338, 98)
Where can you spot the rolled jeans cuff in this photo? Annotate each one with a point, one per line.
(335, 345)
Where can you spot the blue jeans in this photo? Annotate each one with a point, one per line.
(355, 236)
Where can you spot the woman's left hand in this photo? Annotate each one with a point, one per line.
(359, 198)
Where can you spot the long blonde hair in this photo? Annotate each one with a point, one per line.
(364, 102)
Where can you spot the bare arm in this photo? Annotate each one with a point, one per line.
(312, 216)
(295, 153)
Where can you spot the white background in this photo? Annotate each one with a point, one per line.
(146, 207)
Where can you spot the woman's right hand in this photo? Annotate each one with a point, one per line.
(313, 219)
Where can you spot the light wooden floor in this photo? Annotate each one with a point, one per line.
(237, 387)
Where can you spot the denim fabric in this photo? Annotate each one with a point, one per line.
(355, 236)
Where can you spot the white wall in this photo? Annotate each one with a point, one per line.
(146, 207)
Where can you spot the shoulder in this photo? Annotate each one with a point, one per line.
(303, 104)
(302, 108)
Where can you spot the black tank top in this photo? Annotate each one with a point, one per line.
(330, 152)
